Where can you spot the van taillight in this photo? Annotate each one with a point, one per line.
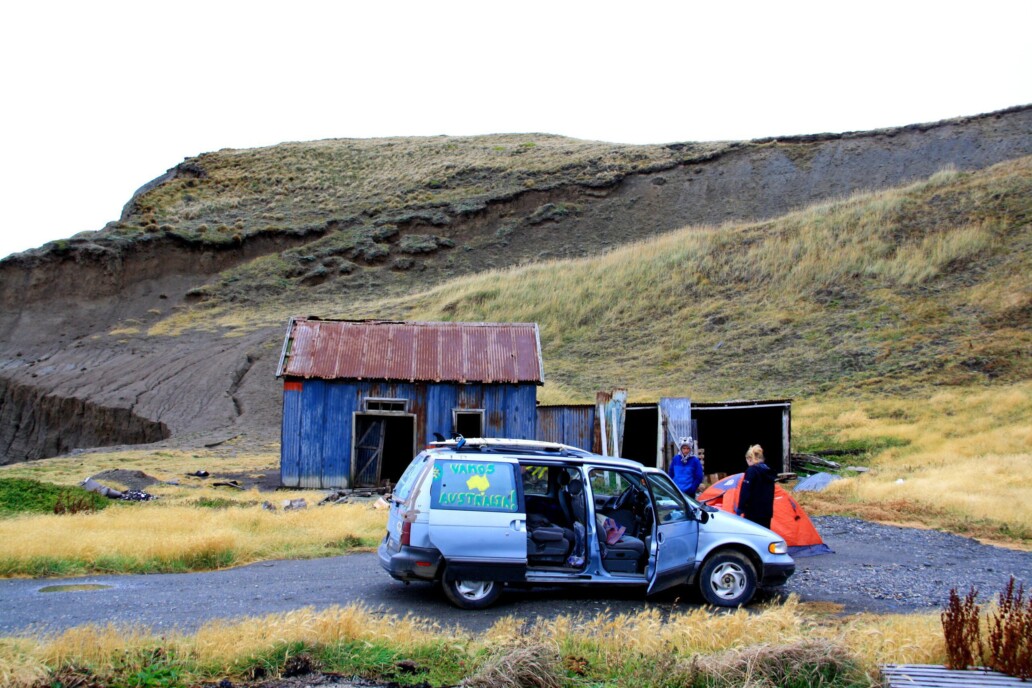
(406, 533)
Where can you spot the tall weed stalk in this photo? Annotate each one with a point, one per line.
(961, 627)
(1010, 633)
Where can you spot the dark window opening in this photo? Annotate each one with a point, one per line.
(641, 434)
(469, 423)
(397, 405)
(727, 433)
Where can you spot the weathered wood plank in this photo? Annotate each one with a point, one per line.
(935, 676)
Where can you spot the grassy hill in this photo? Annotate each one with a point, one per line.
(892, 291)
(927, 284)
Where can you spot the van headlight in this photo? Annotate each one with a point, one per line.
(778, 547)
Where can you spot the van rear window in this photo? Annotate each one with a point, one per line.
(408, 478)
(474, 486)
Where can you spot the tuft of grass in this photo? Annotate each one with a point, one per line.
(203, 527)
(812, 662)
(23, 495)
(535, 665)
(193, 538)
(220, 503)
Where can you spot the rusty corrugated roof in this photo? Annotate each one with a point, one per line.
(412, 351)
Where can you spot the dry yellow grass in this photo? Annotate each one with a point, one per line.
(611, 643)
(966, 465)
(194, 533)
(190, 535)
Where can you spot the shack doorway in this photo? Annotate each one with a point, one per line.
(382, 447)
(726, 431)
(643, 435)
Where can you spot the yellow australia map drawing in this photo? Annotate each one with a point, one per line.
(478, 482)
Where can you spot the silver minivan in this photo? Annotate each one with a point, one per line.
(479, 514)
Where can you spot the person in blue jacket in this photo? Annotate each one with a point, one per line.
(686, 469)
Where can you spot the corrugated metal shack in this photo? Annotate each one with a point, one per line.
(360, 398)
(649, 432)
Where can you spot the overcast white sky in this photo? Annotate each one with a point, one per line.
(100, 97)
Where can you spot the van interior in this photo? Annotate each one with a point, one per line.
(558, 525)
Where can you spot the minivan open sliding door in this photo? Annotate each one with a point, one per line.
(477, 518)
(677, 535)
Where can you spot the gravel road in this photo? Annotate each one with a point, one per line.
(875, 568)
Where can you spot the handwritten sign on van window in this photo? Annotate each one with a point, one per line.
(474, 485)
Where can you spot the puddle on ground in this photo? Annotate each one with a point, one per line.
(75, 588)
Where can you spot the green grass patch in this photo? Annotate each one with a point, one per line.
(822, 441)
(45, 567)
(20, 495)
(221, 503)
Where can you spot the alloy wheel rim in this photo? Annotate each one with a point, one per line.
(473, 590)
(728, 580)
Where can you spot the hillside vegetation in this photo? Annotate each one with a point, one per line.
(306, 184)
(889, 292)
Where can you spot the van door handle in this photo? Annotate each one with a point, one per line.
(519, 525)
(660, 537)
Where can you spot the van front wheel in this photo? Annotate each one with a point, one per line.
(727, 579)
(471, 594)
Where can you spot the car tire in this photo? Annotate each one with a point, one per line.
(727, 579)
(467, 594)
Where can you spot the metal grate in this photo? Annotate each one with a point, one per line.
(936, 676)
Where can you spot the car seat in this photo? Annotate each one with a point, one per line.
(624, 555)
(547, 543)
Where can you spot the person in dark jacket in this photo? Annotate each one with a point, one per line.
(686, 469)
(756, 497)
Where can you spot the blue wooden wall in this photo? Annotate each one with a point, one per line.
(316, 437)
(572, 425)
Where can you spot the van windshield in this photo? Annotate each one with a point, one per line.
(408, 478)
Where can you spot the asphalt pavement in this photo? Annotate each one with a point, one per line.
(875, 567)
(185, 601)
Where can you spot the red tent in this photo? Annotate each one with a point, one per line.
(789, 521)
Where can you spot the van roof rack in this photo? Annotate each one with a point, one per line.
(510, 446)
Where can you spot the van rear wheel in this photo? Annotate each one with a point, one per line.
(471, 594)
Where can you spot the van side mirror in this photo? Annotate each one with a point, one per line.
(702, 516)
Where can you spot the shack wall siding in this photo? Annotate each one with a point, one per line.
(290, 438)
(318, 420)
(572, 425)
(313, 408)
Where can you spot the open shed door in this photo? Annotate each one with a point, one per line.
(676, 414)
(610, 412)
(728, 429)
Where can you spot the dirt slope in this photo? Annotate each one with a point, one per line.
(77, 367)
